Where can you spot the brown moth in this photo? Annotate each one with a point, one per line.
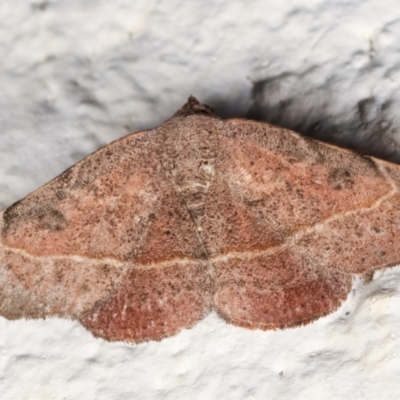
(150, 233)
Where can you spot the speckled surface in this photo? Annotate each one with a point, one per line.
(76, 75)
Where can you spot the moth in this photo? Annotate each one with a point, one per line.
(149, 234)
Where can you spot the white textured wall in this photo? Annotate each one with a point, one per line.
(75, 75)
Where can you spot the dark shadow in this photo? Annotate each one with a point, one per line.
(226, 108)
(368, 128)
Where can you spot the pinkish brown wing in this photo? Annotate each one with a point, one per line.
(141, 238)
(107, 242)
(327, 213)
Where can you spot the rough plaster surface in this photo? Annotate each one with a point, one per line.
(76, 75)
